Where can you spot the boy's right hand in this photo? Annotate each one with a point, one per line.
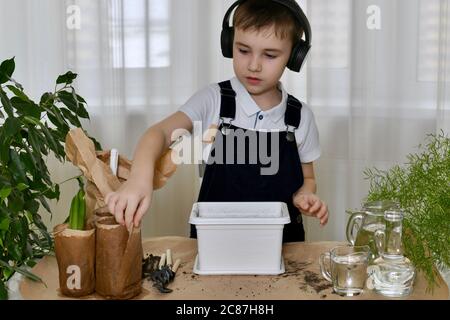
(130, 202)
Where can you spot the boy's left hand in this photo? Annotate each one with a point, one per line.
(310, 204)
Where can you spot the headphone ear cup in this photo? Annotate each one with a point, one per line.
(226, 42)
(298, 56)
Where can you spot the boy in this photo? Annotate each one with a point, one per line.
(265, 38)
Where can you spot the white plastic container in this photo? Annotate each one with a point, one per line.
(239, 237)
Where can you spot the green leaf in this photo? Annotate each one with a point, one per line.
(4, 152)
(68, 100)
(55, 116)
(36, 142)
(97, 144)
(81, 111)
(31, 263)
(24, 135)
(46, 99)
(13, 247)
(72, 118)
(44, 203)
(52, 193)
(32, 206)
(28, 163)
(71, 101)
(79, 98)
(33, 120)
(4, 179)
(66, 78)
(22, 186)
(28, 274)
(3, 291)
(5, 192)
(24, 230)
(2, 116)
(6, 70)
(26, 108)
(38, 222)
(7, 272)
(35, 158)
(17, 166)
(19, 93)
(73, 216)
(6, 103)
(51, 141)
(4, 223)
(11, 127)
(16, 202)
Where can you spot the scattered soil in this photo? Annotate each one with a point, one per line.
(295, 268)
(316, 282)
(308, 282)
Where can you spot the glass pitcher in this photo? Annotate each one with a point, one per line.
(392, 274)
(389, 240)
(363, 224)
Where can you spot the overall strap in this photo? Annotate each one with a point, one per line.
(293, 113)
(227, 101)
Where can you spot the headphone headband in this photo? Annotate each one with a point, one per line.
(292, 5)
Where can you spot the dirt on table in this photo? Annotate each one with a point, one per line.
(308, 281)
(316, 282)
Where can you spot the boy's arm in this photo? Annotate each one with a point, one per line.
(153, 143)
(309, 180)
(305, 198)
(132, 200)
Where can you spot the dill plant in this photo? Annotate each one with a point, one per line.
(422, 187)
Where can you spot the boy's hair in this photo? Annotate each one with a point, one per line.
(259, 14)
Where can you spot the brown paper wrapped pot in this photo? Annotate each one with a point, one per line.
(118, 260)
(75, 255)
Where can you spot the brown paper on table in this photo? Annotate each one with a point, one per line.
(80, 150)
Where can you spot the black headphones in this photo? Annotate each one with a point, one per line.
(300, 49)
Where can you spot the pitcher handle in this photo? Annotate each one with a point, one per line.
(355, 218)
(323, 267)
(379, 236)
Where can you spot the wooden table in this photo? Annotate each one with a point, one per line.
(302, 279)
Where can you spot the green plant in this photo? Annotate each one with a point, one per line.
(29, 132)
(422, 187)
(77, 215)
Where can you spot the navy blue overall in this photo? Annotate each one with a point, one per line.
(244, 182)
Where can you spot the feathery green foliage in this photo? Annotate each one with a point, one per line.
(422, 187)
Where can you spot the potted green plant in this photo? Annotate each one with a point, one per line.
(75, 249)
(29, 132)
(422, 187)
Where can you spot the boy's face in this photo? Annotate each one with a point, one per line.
(259, 58)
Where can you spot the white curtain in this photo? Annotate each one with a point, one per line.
(376, 88)
(376, 82)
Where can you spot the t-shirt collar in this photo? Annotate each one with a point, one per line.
(246, 102)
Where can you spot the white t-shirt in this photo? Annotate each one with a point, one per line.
(204, 106)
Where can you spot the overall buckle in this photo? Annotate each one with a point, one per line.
(226, 124)
(290, 136)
